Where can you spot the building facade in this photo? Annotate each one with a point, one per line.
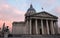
(36, 23)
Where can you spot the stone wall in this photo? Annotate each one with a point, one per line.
(19, 28)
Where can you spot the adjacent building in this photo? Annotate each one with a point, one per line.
(36, 23)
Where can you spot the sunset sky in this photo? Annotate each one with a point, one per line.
(14, 10)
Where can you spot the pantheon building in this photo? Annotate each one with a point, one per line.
(36, 23)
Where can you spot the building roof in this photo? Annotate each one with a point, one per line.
(18, 23)
(43, 14)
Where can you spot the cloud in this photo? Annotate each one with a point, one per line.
(44, 2)
(8, 14)
(56, 11)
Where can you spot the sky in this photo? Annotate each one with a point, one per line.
(14, 10)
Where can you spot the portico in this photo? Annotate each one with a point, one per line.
(42, 26)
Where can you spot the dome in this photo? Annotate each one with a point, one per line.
(30, 11)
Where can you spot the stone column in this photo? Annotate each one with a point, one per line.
(42, 26)
(52, 27)
(56, 26)
(47, 26)
(30, 27)
(27, 27)
(36, 26)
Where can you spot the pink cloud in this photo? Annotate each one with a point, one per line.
(18, 12)
(5, 6)
(57, 11)
(8, 14)
(9, 11)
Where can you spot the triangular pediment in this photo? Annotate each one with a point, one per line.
(43, 14)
